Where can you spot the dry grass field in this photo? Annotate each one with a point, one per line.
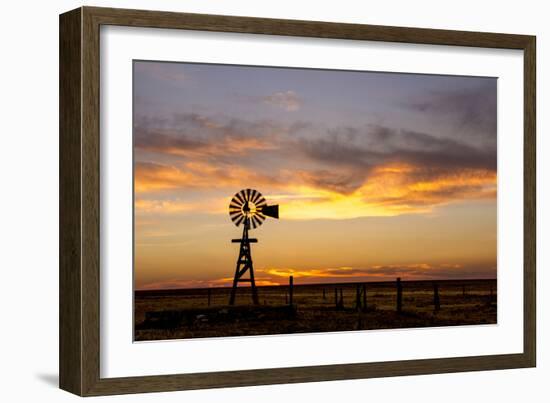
(192, 313)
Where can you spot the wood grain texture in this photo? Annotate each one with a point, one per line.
(317, 29)
(70, 273)
(90, 202)
(80, 200)
(530, 202)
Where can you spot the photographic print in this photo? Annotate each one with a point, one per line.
(275, 200)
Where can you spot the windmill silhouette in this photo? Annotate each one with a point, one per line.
(249, 209)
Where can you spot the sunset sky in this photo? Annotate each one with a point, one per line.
(378, 175)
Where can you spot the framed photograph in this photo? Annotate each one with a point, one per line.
(249, 201)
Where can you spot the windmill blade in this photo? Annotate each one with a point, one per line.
(261, 221)
(239, 220)
(235, 204)
(235, 214)
(238, 198)
(235, 208)
(260, 202)
(260, 214)
(244, 194)
(271, 211)
(256, 222)
(255, 196)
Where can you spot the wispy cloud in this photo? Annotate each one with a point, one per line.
(407, 272)
(151, 177)
(168, 207)
(176, 283)
(412, 271)
(287, 100)
(392, 190)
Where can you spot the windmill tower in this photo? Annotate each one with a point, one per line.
(249, 209)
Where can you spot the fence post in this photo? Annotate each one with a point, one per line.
(291, 289)
(209, 297)
(436, 297)
(336, 297)
(357, 297)
(364, 297)
(399, 295)
(341, 298)
(463, 290)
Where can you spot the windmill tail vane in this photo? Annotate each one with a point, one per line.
(249, 209)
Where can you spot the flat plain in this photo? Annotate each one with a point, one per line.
(204, 312)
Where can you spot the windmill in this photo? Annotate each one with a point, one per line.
(249, 209)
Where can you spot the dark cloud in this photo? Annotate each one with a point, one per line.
(372, 145)
(341, 182)
(473, 110)
(334, 150)
(164, 140)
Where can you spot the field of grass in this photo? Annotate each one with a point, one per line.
(191, 313)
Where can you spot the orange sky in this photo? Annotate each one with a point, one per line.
(401, 187)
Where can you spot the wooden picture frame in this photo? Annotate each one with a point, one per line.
(79, 347)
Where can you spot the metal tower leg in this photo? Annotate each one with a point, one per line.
(244, 264)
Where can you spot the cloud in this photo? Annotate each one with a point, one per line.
(287, 100)
(363, 148)
(172, 284)
(154, 206)
(343, 274)
(343, 182)
(193, 135)
(411, 271)
(412, 185)
(186, 146)
(390, 190)
(470, 109)
(150, 177)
